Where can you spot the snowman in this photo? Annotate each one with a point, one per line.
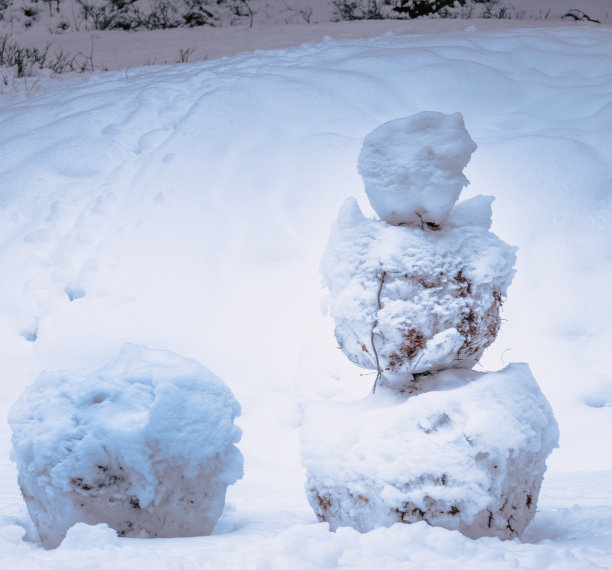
(416, 297)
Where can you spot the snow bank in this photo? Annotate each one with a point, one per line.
(145, 445)
(418, 300)
(469, 455)
(413, 167)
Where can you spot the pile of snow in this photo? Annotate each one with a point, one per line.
(468, 455)
(145, 445)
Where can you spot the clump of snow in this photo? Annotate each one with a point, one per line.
(82, 536)
(468, 455)
(145, 445)
(413, 167)
(408, 300)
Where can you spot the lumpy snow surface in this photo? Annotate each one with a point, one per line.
(187, 208)
(421, 295)
(145, 444)
(469, 455)
(408, 300)
(412, 167)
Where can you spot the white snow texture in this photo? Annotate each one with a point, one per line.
(469, 455)
(187, 206)
(466, 451)
(145, 445)
(416, 299)
(413, 167)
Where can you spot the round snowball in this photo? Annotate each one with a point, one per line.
(145, 445)
(413, 167)
(469, 455)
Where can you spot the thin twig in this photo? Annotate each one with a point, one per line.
(383, 276)
(416, 363)
(502, 357)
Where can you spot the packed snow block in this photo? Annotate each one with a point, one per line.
(469, 455)
(413, 167)
(408, 301)
(145, 445)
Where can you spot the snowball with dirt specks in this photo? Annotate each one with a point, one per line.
(145, 445)
(469, 455)
(410, 301)
(413, 167)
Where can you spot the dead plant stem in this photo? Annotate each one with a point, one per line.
(383, 276)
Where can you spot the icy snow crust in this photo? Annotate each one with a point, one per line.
(468, 455)
(144, 445)
(419, 300)
(413, 167)
(190, 205)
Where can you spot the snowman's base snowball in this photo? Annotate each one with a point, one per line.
(144, 445)
(469, 455)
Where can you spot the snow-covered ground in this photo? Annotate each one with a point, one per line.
(275, 24)
(187, 207)
(58, 17)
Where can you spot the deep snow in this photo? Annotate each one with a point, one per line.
(186, 208)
